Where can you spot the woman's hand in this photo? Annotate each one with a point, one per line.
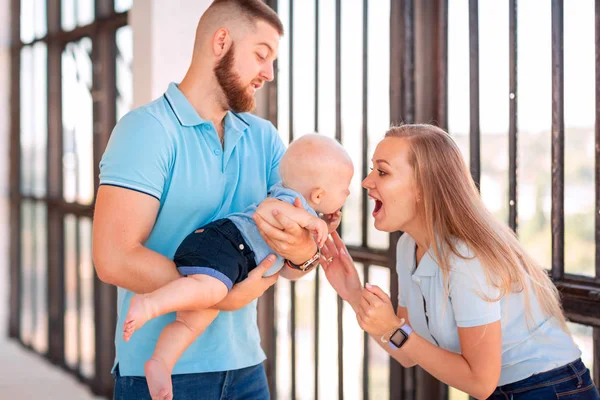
(375, 313)
(293, 242)
(243, 293)
(340, 271)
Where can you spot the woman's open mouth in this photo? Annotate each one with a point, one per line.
(378, 206)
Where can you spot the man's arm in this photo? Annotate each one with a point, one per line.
(123, 220)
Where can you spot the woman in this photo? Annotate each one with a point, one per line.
(474, 310)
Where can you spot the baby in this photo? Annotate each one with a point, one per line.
(317, 170)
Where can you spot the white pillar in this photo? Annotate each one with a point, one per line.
(163, 40)
(4, 157)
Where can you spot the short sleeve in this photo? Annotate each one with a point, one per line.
(469, 290)
(138, 155)
(278, 149)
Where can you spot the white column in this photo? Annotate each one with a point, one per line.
(163, 40)
(4, 157)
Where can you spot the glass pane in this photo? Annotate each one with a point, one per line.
(494, 103)
(86, 286)
(34, 119)
(33, 20)
(123, 5)
(27, 270)
(534, 108)
(379, 360)
(328, 340)
(27, 120)
(124, 74)
(71, 296)
(283, 82)
(352, 119)
(68, 14)
(458, 74)
(76, 13)
(40, 117)
(584, 338)
(85, 12)
(353, 345)
(283, 345)
(378, 98)
(40, 278)
(326, 123)
(580, 106)
(305, 334)
(455, 394)
(78, 168)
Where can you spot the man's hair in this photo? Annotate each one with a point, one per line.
(252, 10)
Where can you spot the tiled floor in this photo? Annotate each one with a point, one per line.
(25, 375)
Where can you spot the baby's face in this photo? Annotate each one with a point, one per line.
(336, 190)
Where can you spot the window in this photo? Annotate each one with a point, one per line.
(72, 81)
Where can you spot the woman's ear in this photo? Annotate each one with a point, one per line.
(316, 195)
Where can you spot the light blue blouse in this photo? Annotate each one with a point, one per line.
(436, 316)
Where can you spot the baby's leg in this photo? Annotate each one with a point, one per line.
(173, 340)
(194, 292)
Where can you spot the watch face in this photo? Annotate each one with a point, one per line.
(398, 338)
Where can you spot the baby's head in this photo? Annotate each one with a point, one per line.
(319, 168)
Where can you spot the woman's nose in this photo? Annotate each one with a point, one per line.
(367, 183)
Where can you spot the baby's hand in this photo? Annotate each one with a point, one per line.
(333, 220)
(319, 229)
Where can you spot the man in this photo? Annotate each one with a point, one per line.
(192, 156)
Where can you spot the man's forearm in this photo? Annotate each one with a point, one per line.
(139, 270)
(292, 274)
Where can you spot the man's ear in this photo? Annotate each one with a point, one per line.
(316, 195)
(221, 42)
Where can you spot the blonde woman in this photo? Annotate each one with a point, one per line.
(474, 310)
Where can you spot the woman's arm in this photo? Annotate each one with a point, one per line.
(475, 371)
(403, 359)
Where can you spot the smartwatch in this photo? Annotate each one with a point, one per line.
(307, 265)
(399, 337)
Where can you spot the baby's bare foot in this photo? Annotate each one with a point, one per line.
(137, 316)
(158, 377)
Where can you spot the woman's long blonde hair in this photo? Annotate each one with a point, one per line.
(453, 209)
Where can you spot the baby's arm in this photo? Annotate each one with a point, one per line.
(315, 225)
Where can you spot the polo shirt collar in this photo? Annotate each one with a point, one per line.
(187, 115)
(183, 109)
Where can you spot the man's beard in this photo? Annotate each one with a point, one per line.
(236, 94)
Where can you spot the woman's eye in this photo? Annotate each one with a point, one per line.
(381, 173)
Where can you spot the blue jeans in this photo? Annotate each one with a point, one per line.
(244, 384)
(569, 382)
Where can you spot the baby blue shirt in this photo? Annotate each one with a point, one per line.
(249, 231)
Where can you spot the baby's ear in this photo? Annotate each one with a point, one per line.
(316, 195)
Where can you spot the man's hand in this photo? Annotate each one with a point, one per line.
(293, 242)
(251, 288)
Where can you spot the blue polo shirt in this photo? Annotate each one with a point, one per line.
(165, 150)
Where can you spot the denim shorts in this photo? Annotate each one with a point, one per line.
(569, 382)
(218, 250)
